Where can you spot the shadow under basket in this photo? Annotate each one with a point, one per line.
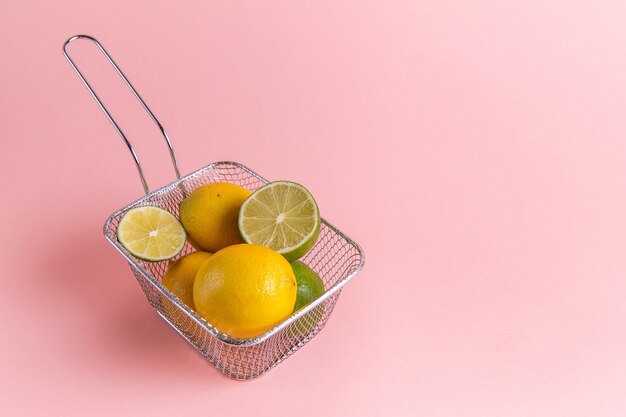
(335, 257)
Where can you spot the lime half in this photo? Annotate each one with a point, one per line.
(151, 233)
(283, 216)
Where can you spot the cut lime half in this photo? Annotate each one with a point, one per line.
(283, 216)
(151, 233)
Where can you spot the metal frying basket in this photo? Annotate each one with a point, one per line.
(335, 257)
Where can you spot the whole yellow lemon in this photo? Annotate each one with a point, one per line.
(181, 274)
(209, 215)
(245, 290)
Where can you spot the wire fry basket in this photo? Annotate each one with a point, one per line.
(335, 257)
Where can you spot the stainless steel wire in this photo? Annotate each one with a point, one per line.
(335, 257)
(110, 117)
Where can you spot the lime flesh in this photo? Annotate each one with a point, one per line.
(151, 233)
(283, 216)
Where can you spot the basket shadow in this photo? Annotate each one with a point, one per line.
(99, 291)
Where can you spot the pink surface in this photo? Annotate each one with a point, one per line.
(475, 149)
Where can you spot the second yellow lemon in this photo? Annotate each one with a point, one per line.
(181, 274)
(245, 290)
(209, 215)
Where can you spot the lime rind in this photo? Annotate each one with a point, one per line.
(310, 288)
(286, 223)
(134, 233)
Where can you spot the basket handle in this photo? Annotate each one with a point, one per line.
(108, 115)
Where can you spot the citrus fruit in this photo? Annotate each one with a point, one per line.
(283, 216)
(181, 274)
(310, 285)
(151, 233)
(209, 215)
(244, 290)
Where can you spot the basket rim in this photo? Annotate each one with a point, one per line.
(204, 324)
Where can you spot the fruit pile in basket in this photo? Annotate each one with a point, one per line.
(244, 277)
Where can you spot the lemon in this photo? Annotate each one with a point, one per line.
(209, 215)
(245, 290)
(151, 233)
(283, 216)
(181, 274)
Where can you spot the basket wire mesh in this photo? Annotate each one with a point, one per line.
(335, 257)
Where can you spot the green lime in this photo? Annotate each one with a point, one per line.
(151, 233)
(283, 216)
(310, 287)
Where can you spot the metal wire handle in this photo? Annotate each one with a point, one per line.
(108, 115)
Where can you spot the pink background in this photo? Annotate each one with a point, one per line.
(475, 149)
